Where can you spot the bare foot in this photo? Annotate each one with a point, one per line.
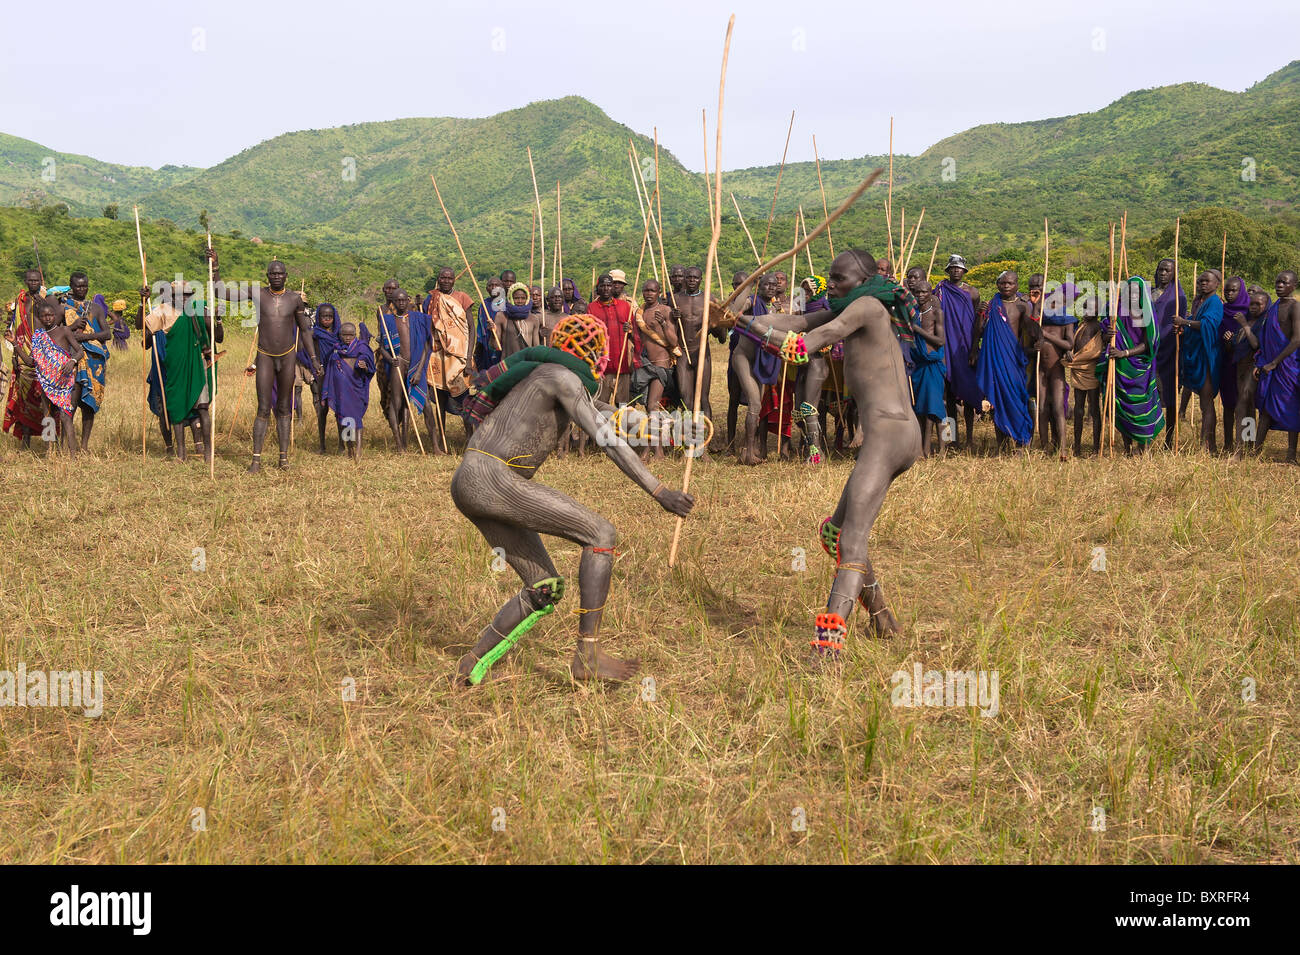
(596, 664)
(884, 624)
(284, 462)
(464, 669)
(256, 466)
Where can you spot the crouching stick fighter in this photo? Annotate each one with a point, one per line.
(522, 406)
(864, 310)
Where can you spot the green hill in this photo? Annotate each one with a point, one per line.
(1154, 152)
(365, 188)
(33, 175)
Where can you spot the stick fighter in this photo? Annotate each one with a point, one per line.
(865, 309)
(522, 406)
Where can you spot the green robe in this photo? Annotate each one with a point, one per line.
(184, 374)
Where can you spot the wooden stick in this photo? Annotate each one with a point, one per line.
(464, 258)
(826, 224)
(645, 238)
(772, 212)
(1223, 261)
(933, 252)
(212, 344)
(758, 259)
(708, 276)
(911, 244)
(889, 200)
(645, 217)
(830, 242)
(1178, 332)
(541, 231)
(144, 353)
(406, 412)
(293, 421)
(144, 359)
(780, 412)
(704, 129)
(807, 248)
(559, 249)
(1111, 300)
(902, 227)
(532, 249)
(659, 203)
(1038, 356)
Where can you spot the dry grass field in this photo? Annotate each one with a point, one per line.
(1119, 690)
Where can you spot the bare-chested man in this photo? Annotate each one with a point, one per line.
(494, 488)
(688, 314)
(1087, 346)
(283, 322)
(659, 349)
(676, 285)
(877, 376)
(1057, 321)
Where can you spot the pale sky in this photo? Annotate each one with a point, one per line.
(149, 82)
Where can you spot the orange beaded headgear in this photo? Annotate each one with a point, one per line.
(582, 336)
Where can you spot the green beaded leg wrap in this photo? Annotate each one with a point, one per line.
(830, 536)
(550, 590)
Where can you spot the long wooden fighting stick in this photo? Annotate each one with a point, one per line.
(910, 246)
(1121, 277)
(477, 291)
(144, 356)
(902, 226)
(780, 401)
(659, 206)
(212, 344)
(758, 259)
(645, 239)
(396, 369)
(775, 192)
(532, 249)
(889, 199)
(1111, 300)
(647, 215)
(815, 234)
(807, 249)
(664, 284)
(1038, 357)
(1178, 332)
(704, 140)
(559, 247)
(929, 270)
(715, 232)
(829, 241)
(144, 361)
